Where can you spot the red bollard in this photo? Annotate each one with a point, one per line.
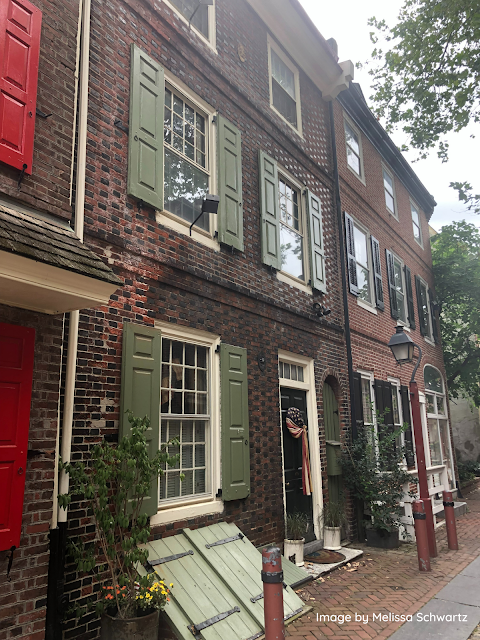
(272, 578)
(421, 535)
(448, 506)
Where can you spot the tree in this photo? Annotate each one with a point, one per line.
(428, 79)
(456, 266)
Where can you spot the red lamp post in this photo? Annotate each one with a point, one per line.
(402, 347)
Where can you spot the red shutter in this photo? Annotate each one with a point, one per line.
(20, 26)
(16, 372)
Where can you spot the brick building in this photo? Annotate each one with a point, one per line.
(386, 211)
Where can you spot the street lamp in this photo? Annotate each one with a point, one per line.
(402, 347)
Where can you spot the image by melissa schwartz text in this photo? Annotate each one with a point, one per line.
(365, 618)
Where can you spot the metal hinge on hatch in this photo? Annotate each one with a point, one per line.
(239, 536)
(177, 556)
(196, 628)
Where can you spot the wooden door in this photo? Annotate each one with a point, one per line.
(16, 372)
(292, 460)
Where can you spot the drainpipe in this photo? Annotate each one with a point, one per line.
(346, 317)
(58, 534)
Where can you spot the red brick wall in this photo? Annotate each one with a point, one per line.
(48, 188)
(23, 596)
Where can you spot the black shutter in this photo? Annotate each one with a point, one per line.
(405, 395)
(421, 315)
(410, 305)
(357, 401)
(433, 306)
(351, 260)
(377, 272)
(378, 387)
(391, 285)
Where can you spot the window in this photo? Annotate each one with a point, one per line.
(389, 192)
(423, 303)
(437, 421)
(200, 16)
(187, 175)
(400, 288)
(367, 401)
(292, 226)
(284, 86)
(417, 229)
(397, 410)
(363, 264)
(290, 371)
(354, 149)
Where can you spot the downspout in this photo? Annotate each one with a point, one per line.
(58, 535)
(346, 316)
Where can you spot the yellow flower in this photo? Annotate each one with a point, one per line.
(171, 584)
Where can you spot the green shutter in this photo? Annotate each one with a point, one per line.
(269, 211)
(230, 211)
(145, 143)
(141, 363)
(235, 427)
(317, 249)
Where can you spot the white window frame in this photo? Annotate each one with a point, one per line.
(429, 336)
(365, 304)
(413, 206)
(348, 121)
(211, 41)
(405, 322)
(191, 507)
(271, 44)
(313, 430)
(394, 213)
(284, 276)
(396, 384)
(370, 376)
(207, 238)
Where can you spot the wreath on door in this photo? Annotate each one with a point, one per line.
(298, 428)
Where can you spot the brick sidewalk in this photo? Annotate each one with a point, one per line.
(386, 582)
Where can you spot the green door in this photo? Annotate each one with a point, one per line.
(292, 460)
(332, 437)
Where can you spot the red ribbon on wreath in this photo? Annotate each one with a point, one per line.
(298, 428)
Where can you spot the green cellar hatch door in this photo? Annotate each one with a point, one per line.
(218, 592)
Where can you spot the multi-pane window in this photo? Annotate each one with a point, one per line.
(195, 13)
(389, 191)
(354, 156)
(185, 415)
(290, 371)
(291, 230)
(362, 255)
(400, 288)
(397, 411)
(424, 307)
(187, 175)
(284, 88)
(417, 230)
(437, 420)
(367, 401)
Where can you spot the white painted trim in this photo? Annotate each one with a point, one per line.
(356, 130)
(392, 176)
(418, 210)
(271, 44)
(313, 431)
(37, 286)
(367, 306)
(175, 510)
(294, 282)
(212, 30)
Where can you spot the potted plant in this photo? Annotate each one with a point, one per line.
(334, 518)
(296, 527)
(375, 475)
(113, 484)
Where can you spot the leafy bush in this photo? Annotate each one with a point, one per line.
(467, 471)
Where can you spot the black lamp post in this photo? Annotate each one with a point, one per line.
(402, 347)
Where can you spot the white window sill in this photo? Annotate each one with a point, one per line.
(177, 224)
(186, 512)
(359, 177)
(365, 305)
(429, 341)
(294, 282)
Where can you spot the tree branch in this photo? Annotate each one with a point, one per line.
(454, 376)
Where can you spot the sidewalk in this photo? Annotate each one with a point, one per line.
(386, 584)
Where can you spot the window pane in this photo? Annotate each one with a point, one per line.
(352, 139)
(441, 405)
(367, 402)
(363, 278)
(300, 374)
(430, 403)
(389, 202)
(361, 251)
(387, 182)
(284, 103)
(395, 412)
(283, 75)
(353, 160)
(401, 307)
(199, 20)
(434, 442)
(291, 251)
(433, 380)
(185, 189)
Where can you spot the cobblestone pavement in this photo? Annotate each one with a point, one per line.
(387, 583)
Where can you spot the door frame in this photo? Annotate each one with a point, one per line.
(313, 431)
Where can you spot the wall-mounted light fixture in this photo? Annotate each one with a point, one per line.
(209, 205)
(320, 310)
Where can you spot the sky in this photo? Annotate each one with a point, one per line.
(346, 21)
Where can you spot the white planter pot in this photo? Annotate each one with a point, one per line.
(294, 547)
(331, 538)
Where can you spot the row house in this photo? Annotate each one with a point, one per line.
(390, 282)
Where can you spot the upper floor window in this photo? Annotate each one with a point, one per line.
(424, 308)
(399, 277)
(187, 168)
(354, 149)
(363, 264)
(417, 229)
(200, 15)
(292, 225)
(389, 192)
(284, 86)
